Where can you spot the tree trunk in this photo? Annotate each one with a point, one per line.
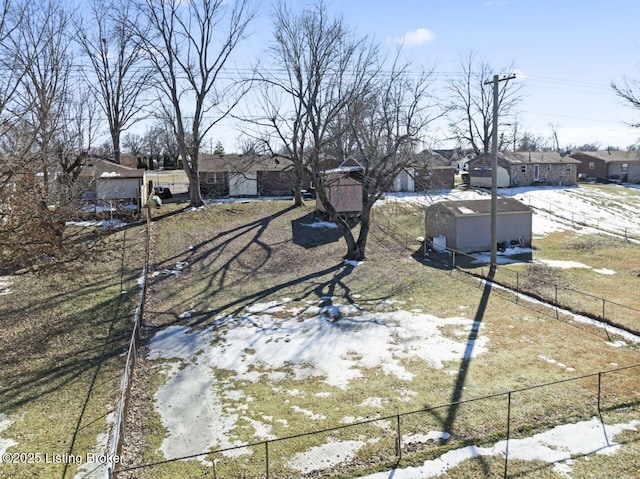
(297, 188)
(365, 226)
(353, 249)
(115, 140)
(195, 196)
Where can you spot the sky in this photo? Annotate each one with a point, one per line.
(565, 53)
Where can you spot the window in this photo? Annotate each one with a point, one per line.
(592, 165)
(568, 168)
(548, 167)
(213, 178)
(523, 169)
(625, 167)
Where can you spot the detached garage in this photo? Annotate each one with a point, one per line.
(466, 225)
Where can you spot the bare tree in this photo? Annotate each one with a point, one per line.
(12, 14)
(43, 142)
(189, 42)
(133, 143)
(629, 91)
(118, 75)
(319, 66)
(385, 128)
(471, 117)
(45, 90)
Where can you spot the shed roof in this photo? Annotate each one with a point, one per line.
(108, 169)
(483, 207)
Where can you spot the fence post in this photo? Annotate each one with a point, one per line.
(266, 450)
(517, 285)
(599, 389)
(399, 440)
(506, 447)
(603, 312)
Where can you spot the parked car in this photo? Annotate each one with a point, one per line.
(614, 179)
(163, 192)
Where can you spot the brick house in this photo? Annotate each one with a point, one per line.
(601, 165)
(524, 169)
(245, 175)
(427, 171)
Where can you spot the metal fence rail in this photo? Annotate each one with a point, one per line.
(382, 442)
(117, 436)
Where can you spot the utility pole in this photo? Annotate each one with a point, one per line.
(494, 170)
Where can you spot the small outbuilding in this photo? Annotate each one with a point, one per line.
(466, 225)
(117, 182)
(343, 187)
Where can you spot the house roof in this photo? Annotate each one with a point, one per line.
(467, 208)
(544, 157)
(432, 160)
(108, 169)
(232, 163)
(632, 156)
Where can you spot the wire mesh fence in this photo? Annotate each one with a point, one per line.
(493, 422)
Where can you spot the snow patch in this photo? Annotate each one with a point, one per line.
(604, 271)
(562, 264)
(95, 469)
(5, 443)
(310, 414)
(321, 224)
(5, 285)
(190, 402)
(556, 446)
(328, 455)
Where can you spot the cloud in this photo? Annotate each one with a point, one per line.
(417, 37)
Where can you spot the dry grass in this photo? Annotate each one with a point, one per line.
(63, 335)
(235, 255)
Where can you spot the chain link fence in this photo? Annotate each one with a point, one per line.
(494, 421)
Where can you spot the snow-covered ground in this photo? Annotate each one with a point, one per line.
(558, 446)
(614, 208)
(200, 411)
(190, 402)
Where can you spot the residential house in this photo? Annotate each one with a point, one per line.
(524, 169)
(603, 165)
(427, 171)
(466, 225)
(245, 175)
